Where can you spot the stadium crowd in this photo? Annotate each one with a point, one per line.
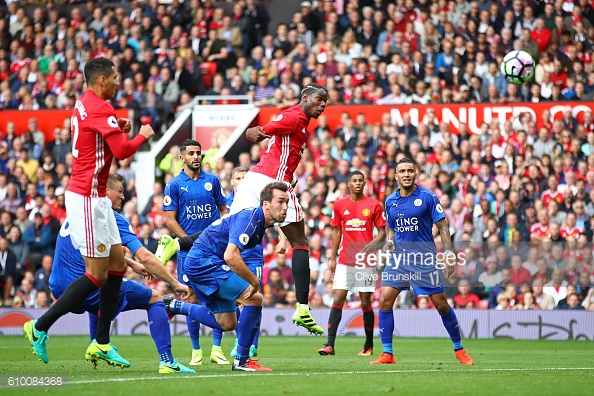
(519, 197)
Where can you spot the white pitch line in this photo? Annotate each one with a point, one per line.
(198, 376)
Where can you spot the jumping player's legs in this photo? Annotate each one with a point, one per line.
(110, 292)
(134, 296)
(295, 233)
(93, 231)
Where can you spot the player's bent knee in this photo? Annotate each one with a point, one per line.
(227, 320)
(193, 299)
(155, 297)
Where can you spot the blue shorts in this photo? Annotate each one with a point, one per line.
(226, 292)
(424, 281)
(181, 258)
(132, 296)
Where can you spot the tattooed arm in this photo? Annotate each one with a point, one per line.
(446, 240)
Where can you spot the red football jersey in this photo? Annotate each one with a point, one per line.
(284, 151)
(356, 219)
(548, 196)
(96, 136)
(575, 232)
(537, 230)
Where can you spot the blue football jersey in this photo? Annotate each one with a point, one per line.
(254, 256)
(229, 200)
(69, 264)
(412, 219)
(195, 201)
(244, 229)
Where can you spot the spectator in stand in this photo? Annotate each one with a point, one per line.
(27, 293)
(39, 238)
(526, 302)
(557, 287)
(503, 302)
(42, 274)
(284, 269)
(146, 238)
(500, 288)
(573, 303)
(518, 274)
(465, 296)
(9, 273)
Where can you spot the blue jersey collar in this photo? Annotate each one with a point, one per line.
(184, 176)
(416, 191)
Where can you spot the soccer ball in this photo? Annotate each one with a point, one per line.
(518, 67)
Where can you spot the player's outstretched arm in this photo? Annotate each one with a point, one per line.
(256, 134)
(233, 259)
(154, 266)
(446, 240)
(124, 148)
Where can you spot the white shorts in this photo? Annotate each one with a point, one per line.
(93, 227)
(353, 279)
(248, 196)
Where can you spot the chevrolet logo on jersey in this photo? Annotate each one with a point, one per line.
(356, 223)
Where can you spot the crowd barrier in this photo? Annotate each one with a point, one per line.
(521, 325)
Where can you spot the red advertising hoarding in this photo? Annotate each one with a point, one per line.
(47, 120)
(454, 114)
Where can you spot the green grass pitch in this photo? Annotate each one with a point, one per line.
(424, 367)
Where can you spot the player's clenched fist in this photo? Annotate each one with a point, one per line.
(256, 134)
(147, 131)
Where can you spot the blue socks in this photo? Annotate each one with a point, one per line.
(196, 315)
(93, 325)
(257, 336)
(217, 337)
(201, 314)
(247, 327)
(386, 328)
(194, 331)
(159, 327)
(450, 322)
